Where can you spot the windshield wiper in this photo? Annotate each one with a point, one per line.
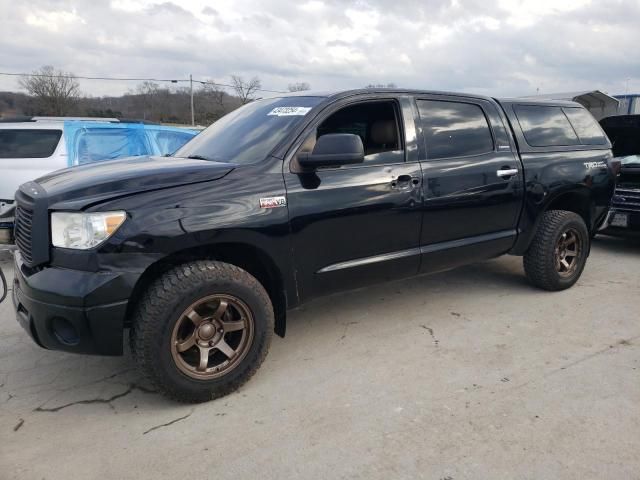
(199, 157)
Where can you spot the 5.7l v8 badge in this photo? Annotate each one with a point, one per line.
(273, 202)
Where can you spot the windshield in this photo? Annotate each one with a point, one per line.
(248, 134)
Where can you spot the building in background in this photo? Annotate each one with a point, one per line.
(629, 104)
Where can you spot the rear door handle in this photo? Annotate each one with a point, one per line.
(507, 172)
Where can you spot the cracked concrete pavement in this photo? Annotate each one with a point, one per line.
(467, 374)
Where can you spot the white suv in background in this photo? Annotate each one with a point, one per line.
(39, 145)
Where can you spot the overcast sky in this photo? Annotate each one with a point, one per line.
(513, 47)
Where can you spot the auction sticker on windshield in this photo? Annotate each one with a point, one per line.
(289, 111)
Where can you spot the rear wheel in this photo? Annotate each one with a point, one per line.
(202, 330)
(558, 253)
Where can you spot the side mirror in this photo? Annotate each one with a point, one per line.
(333, 150)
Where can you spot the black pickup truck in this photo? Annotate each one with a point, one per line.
(624, 133)
(201, 254)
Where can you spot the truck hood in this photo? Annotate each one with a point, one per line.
(629, 178)
(77, 187)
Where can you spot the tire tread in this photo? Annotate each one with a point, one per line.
(157, 299)
(537, 259)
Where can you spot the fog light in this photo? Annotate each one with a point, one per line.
(64, 331)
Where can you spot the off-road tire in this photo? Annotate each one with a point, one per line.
(161, 307)
(540, 259)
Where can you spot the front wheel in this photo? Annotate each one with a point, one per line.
(201, 330)
(558, 253)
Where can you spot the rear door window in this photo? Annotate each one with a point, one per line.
(545, 126)
(585, 126)
(454, 129)
(28, 143)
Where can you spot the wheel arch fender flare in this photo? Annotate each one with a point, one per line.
(246, 255)
(578, 200)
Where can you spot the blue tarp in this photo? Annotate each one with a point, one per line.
(89, 142)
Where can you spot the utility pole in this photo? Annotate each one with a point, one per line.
(193, 118)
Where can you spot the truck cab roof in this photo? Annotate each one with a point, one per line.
(337, 94)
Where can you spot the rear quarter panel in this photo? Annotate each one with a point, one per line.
(551, 173)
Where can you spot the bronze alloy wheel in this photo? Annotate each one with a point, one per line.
(567, 252)
(212, 336)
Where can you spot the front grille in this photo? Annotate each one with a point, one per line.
(22, 232)
(31, 230)
(627, 199)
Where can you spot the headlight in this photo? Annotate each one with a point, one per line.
(83, 230)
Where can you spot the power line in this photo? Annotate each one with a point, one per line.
(129, 79)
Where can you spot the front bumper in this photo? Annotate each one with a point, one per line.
(57, 307)
(632, 227)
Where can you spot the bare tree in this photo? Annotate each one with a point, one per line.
(245, 90)
(299, 87)
(56, 92)
(214, 94)
(148, 91)
(212, 103)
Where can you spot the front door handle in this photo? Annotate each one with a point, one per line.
(507, 172)
(404, 181)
